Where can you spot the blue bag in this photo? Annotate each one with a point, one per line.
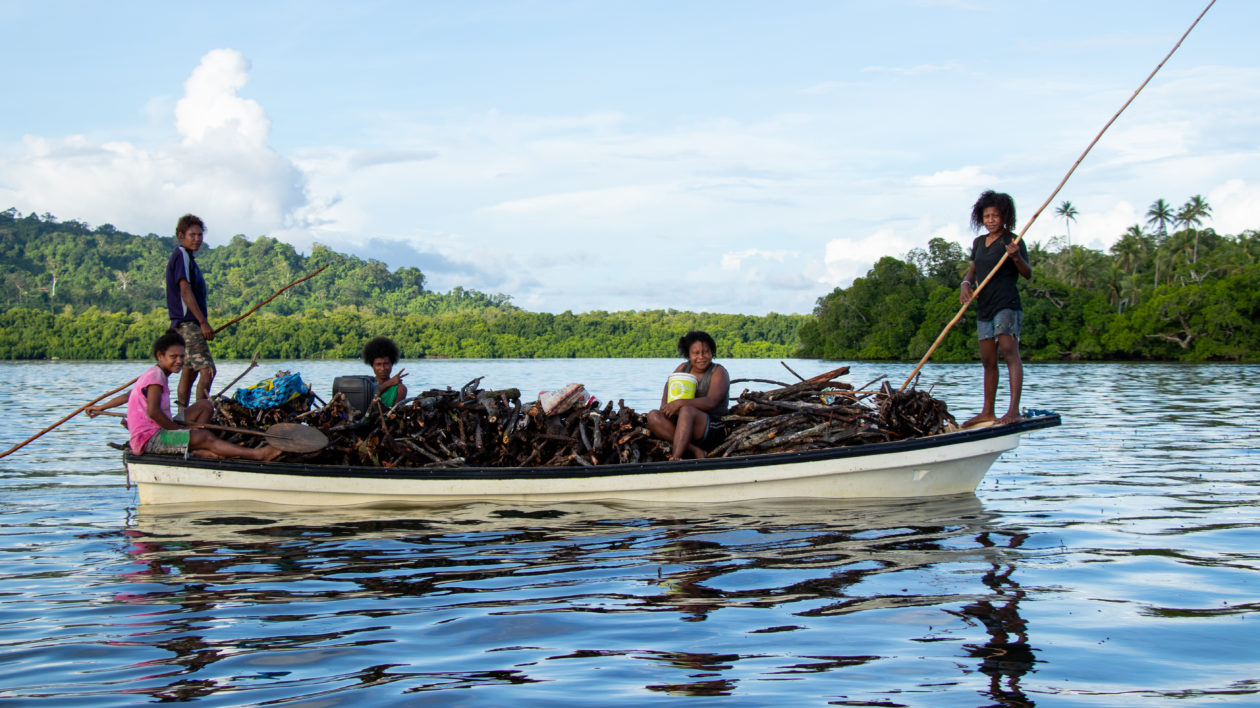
(272, 392)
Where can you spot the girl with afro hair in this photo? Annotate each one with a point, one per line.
(382, 354)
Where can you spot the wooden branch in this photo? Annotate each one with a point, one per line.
(252, 363)
(798, 376)
(77, 411)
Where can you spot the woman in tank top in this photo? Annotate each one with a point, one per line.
(694, 424)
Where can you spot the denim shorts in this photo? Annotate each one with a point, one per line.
(1004, 322)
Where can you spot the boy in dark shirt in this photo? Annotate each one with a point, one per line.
(998, 308)
(186, 305)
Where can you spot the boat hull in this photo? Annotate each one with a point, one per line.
(940, 465)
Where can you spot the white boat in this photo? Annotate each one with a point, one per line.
(950, 463)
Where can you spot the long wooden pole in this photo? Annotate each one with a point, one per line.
(254, 309)
(98, 399)
(1050, 198)
(79, 410)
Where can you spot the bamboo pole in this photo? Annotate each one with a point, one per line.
(98, 399)
(79, 410)
(1050, 198)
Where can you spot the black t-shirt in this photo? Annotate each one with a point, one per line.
(1001, 293)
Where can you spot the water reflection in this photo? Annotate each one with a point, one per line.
(1122, 541)
(1007, 656)
(254, 597)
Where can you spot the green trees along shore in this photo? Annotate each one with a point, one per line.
(73, 292)
(1170, 291)
(1173, 292)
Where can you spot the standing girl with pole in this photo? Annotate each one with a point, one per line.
(998, 305)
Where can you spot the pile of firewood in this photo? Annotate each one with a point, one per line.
(476, 428)
(471, 427)
(821, 413)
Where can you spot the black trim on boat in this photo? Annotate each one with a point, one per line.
(457, 473)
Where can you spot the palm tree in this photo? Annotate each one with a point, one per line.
(1160, 215)
(1192, 214)
(1129, 249)
(1180, 251)
(1068, 212)
(1036, 252)
(1076, 268)
(1113, 279)
(1248, 240)
(1131, 291)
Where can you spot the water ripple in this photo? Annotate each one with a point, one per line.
(1109, 561)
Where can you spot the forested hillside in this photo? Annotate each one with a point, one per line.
(75, 292)
(53, 265)
(1180, 293)
(1185, 294)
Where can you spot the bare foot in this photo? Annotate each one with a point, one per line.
(1010, 417)
(982, 418)
(696, 451)
(271, 453)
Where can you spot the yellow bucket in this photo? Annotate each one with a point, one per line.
(680, 386)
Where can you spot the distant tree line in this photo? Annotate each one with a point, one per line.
(1173, 292)
(73, 292)
(1169, 291)
(340, 334)
(53, 265)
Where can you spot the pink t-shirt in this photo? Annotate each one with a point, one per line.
(143, 427)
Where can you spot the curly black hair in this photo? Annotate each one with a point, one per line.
(1004, 204)
(690, 338)
(168, 340)
(381, 347)
(187, 221)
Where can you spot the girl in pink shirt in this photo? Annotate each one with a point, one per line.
(149, 413)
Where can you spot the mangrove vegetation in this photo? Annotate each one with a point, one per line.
(1168, 289)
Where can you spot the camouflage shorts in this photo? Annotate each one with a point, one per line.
(197, 350)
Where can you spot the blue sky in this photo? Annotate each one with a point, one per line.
(717, 156)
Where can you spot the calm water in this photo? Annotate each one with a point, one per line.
(1111, 561)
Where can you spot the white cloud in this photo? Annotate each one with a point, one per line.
(588, 203)
(1098, 230)
(759, 199)
(970, 176)
(734, 261)
(1146, 142)
(222, 169)
(210, 110)
(373, 158)
(846, 259)
(1235, 207)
